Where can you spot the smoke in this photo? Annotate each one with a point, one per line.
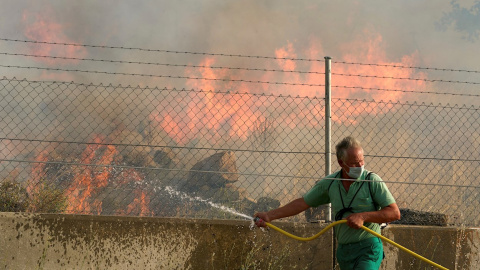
(383, 33)
(401, 34)
(464, 20)
(356, 32)
(247, 28)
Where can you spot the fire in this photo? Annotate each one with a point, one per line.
(43, 27)
(382, 75)
(207, 113)
(139, 206)
(286, 52)
(88, 180)
(95, 173)
(38, 173)
(213, 113)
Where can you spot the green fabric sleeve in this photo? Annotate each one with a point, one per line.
(318, 194)
(381, 194)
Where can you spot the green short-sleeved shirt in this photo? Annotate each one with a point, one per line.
(325, 191)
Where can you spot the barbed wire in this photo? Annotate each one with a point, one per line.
(160, 76)
(161, 89)
(408, 67)
(235, 68)
(266, 95)
(223, 172)
(238, 55)
(163, 64)
(403, 78)
(241, 80)
(423, 104)
(162, 51)
(263, 82)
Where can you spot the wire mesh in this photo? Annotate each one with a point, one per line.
(114, 150)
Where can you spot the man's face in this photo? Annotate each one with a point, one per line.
(354, 158)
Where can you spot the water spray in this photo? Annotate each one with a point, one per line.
(363, 227)
(184, 195)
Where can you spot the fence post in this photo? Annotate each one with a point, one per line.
(328, 100)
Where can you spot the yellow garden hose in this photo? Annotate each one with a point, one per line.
(364, 228)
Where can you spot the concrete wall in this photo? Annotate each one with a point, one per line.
(44, 241)
(451, 247)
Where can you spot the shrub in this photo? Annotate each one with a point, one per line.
(48, 199)
(13, 197)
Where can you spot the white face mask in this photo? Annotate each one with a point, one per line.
(355, 172)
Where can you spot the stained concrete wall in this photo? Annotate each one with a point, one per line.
(44, 241)
(451, 247)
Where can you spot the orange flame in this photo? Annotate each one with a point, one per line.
(214, 113)
(43, 27)
(139, 206)
(88, 179)
(207, 113)
(95, 174)
(38, 173)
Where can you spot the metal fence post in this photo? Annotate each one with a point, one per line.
(328, 135)
(328, 100)
(328, 90)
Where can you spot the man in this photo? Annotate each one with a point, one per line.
(361, 203)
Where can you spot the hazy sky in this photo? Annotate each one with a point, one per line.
(425, 33)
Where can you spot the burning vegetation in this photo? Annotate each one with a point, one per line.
(109, 176)
(117, 148)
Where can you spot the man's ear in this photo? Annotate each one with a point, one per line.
(340, 162)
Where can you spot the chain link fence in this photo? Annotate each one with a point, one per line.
(113, 150)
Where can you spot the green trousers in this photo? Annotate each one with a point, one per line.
(364, 255)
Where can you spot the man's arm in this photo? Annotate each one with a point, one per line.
(292, 208)
(386, 214)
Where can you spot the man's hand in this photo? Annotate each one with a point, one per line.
(355, 220)
(290, 209)
(387, 214)
(262, 218)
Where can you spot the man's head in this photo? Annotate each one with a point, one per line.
(349, 154)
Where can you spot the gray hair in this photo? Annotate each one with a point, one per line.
(344, 145)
